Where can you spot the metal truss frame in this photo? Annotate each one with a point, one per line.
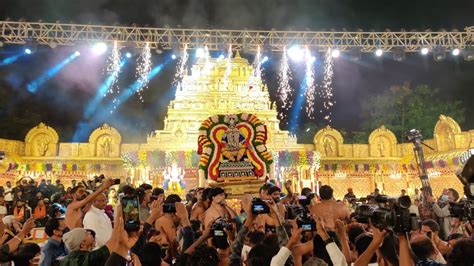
(54, 34)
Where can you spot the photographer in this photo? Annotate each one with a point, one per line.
(218, 207)
(74, 212)
(441, 210)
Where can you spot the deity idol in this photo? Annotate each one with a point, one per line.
(173, 179)
(233, 142)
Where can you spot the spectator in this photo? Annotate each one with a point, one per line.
(350, 195)
(200, 207)
(144, 193)
(97, 221)
(40, 213)
(431, 229)
(8, 193)
(462, 253)
(26, 255)
(54, 247)
(80, 200)
(329, 210)
(425, 252)
(218, 207)
(19, 209)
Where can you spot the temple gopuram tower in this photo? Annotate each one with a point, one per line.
(218, 86)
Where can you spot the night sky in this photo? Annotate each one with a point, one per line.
(61, 101)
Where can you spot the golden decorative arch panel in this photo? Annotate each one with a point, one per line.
(328, 141)
(106, 141)
(382, 143)
(41, 141)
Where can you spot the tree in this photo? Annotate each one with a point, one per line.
(403, 108)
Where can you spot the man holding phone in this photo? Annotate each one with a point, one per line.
(96, 219)
(74, 213)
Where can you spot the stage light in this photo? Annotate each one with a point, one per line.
(308, 129)
(99, 48)
(128, 55)
(379, 52)
(28, 51)
(173, 56)
(335, 53)
(469, 53)
(221, 57)
(456, 51)
(439, 53)
(200, 53)
(424, 51)
(313, 59)
(296, 53)
(264, 59)
(77, 53)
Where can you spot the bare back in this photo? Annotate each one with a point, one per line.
(329, 211)
(197, 212)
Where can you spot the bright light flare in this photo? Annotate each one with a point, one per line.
(296, 53)
(200, 53)
(28, 51)
(99, 48)
(326, 93)
(143, 70)
(379, 52)
(128, 55)
(335, 53)
(424, 51)
(310, 84)
(456, 51)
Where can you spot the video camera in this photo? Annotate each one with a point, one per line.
(306, 222)
(390, 213)
(259, 206)
(464, 210)
(99, 179)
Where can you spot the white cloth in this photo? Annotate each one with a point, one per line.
(8, 196)
(336, 255)
(98, 221)
(245, 252)
(280, 258)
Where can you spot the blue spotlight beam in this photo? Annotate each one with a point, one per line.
(84, 128)
(91, 106)
(34, 85)
(11, 59)
(297, 107)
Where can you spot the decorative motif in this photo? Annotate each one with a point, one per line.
(41, 141)
(233, 138)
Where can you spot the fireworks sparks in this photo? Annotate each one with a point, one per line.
(113, 70)
(208, 65)
(284, 89)
(143, 69)
(326, 92)
(310, 84)
(257, 64)
(228, 67)
(181, 69)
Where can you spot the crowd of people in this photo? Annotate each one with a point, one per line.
(89, 224)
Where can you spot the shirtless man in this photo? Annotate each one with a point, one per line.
(265, 221)
(168, 223)
(329, 210)
(200, 207)
(218, 207)
(74, 211)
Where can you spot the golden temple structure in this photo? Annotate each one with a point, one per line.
(230, 86)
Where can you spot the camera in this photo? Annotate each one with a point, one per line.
(305, 200)
(217, 228)
(464, 210)
(414, 135)
(306, 222)
(259, 206)
(389, 213)
(169, 207)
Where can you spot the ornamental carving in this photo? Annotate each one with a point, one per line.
(382, 143)
(106, 141)
(328, 141)
(445, 133)
(41, 141)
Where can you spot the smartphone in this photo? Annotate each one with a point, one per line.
(131, 213)
(164, 251)
(117, 181)
(27, 213)
(169, 208)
